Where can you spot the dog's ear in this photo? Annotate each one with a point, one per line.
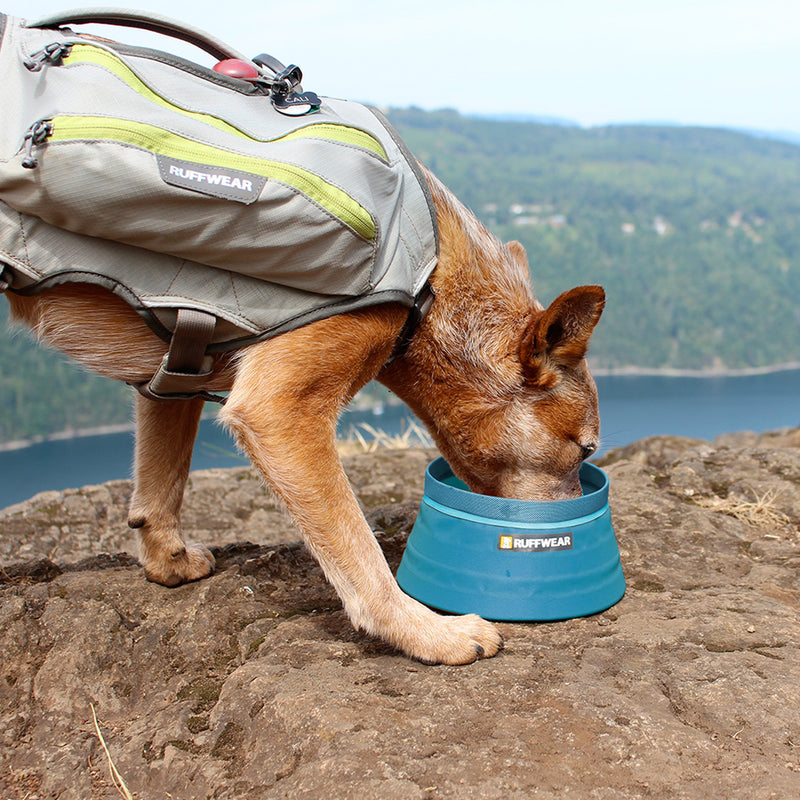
(518, 253)
(559, 335)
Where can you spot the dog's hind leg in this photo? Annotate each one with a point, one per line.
(283, 410)
(165, 434)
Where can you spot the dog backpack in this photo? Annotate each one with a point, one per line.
(226, 208)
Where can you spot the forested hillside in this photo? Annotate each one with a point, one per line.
(42, 392)
(695, 234)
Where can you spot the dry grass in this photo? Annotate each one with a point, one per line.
(364, 438)
(116, 778)
(760, 511)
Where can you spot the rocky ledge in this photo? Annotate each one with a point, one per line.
(252, 684)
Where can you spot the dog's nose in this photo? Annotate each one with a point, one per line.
(588, 450)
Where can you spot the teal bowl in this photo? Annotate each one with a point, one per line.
(512, 560)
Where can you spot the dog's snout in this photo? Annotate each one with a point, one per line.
(588, 450)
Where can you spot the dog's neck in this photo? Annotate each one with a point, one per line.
(464, 355)
(474, 264)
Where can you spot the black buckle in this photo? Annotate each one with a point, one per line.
(287, 79)
(418, 312)
(286, 93)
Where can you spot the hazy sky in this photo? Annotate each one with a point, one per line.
(706, 62)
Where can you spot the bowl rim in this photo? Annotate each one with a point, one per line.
(504, 509)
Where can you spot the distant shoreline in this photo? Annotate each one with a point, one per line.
(100, 430)
(617, 372)
(645, 372)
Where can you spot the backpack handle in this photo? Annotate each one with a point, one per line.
(150, 22)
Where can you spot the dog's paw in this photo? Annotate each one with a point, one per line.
(191, 563)
(427, 636)
(459, 640)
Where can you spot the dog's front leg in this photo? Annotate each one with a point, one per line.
(165, 434)
(283, 410)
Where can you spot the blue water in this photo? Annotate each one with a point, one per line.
(631, 408)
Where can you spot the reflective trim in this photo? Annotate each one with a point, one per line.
(89, 54)
(164, 142)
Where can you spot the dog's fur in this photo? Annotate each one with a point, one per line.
(500, 382)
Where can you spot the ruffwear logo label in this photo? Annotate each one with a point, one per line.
(228, 184)
(539, 543)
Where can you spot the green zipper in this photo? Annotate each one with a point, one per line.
(164, 142)
(89, 54)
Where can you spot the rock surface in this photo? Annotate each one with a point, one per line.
(252, 684)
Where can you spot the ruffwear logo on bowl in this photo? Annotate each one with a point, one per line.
(540, 543)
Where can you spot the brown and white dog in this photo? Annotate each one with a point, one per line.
(501, 383)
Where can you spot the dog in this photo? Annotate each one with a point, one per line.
(500, 382)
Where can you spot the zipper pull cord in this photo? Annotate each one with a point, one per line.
(51, 53)
(36, 134)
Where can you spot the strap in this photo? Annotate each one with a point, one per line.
(185, 367)
(151, 22)
(193, 332)
(418, 312)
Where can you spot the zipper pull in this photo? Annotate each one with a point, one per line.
(50, 54)
(36, 134)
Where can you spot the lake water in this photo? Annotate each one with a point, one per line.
(631, 407)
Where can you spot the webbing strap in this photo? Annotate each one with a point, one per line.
(193, 332)
(422, 305)
(135, 19)
(185, 367)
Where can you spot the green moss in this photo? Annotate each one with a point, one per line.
(223, 658)
(197, 723)
(228, 742)
(204, 691)
(644, 585)
(186, 746)
(254, 646)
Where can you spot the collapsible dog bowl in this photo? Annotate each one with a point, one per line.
(512, 559)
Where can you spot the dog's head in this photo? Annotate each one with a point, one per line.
(501, 383)
(531, 444)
